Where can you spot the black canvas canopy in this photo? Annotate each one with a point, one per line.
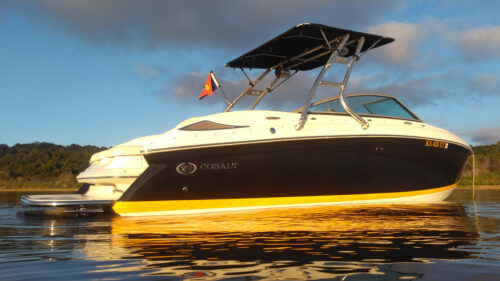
(284, 48)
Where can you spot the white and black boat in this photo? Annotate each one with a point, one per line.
(360, 148)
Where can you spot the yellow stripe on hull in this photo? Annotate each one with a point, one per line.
(171, 207)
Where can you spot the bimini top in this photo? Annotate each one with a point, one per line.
(305, 37)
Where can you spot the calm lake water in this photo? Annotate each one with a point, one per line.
(455, 240)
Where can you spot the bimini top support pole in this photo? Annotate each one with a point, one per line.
(333, 57)
(250, 87)
(264, 93)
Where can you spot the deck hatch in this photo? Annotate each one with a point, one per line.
(209, 125)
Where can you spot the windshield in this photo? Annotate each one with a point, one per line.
(367, 105)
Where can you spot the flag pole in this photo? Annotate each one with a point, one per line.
(219, 86)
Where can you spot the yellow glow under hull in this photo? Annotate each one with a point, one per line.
(179, 207)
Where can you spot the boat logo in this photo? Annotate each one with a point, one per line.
(219, 166)
(186, 168)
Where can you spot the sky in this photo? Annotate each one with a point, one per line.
(102, 72)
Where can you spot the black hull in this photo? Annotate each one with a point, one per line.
(308, 167)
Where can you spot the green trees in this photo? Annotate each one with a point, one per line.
(42, 164)
(487, 166)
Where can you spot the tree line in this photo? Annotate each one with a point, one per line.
(487, 166)
(42, 164)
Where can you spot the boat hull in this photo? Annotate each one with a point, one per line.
(295, 172)
(181, 207)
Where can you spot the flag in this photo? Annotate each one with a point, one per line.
(209, 87)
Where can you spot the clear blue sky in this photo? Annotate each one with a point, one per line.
(104, 72)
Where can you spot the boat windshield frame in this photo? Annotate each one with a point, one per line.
(329, 99)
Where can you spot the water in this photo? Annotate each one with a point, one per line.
(455, 240)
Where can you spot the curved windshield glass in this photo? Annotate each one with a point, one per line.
(367, 105)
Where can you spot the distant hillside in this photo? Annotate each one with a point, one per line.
(487, 166)
(42, 164)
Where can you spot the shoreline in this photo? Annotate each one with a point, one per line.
(52, 189)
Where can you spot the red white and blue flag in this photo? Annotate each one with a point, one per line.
(210, 86)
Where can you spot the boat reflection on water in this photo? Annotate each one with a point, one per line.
(274, 244)
(384, 242)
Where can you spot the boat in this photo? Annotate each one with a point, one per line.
(346, 149)
(109, 175)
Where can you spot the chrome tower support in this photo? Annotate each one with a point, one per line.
(343, 102)
(250, 87)
(333, 57)
(264, 93)
(338, 50)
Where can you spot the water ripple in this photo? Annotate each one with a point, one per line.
(385, 242)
